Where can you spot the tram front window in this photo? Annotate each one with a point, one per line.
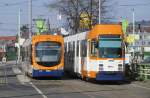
(110, 52)
(48, 53)
(110, 48)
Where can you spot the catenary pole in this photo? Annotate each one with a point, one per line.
(19, 36)
(133, 16)
(99, 11)
(30, 19)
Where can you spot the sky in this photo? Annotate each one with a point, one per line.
(9, 10)
(124, 9)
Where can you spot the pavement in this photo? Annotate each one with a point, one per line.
(20, 86)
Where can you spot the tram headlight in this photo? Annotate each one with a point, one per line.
(100, 67)
(120, 67)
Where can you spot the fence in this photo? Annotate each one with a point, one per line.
(144, 71)
(3, 74)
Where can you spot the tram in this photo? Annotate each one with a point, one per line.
(97, 54)
(43, 56)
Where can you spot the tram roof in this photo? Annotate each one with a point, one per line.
(38, 38)
(102, 29)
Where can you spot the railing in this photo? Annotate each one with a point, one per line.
(3, 74)
(144, 71)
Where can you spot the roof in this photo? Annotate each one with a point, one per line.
(7, 37)
(105, 29)
(38, 38)
(1, 50)
(78, 36)
(8, 40)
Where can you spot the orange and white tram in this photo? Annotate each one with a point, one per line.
(97, 54)
(43, 55)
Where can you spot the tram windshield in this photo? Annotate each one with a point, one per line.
(48, 53)
(110, 47)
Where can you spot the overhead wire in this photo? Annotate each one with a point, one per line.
(142, 4)
(5, 29)
(16, 3)
(1, 23)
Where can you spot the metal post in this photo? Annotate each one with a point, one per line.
(19, 22)
(30, 19)
(99, 11)
(49, 27)
(59, 19)
(77, 17)
(133, 31)
(91, 15)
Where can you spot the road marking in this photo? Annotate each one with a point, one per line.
(24, 79)
(135, 85)
(16, 70)
(38, 90)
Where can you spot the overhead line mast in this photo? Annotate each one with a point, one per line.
(30, 19)
(99, 11)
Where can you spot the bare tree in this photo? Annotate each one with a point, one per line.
(72, 9)
(24, 31)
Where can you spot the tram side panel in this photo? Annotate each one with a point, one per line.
(76, 57)
(74, 54)
(69, 57)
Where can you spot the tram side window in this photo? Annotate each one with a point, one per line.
(69, 46)
(77, 49)
(65, 47)
(83, 48)
(94, 48)
(70, 49)
(73, 49)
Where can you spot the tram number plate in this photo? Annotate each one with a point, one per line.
(48, 70)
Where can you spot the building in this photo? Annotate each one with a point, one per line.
(141, 45)
(7, 46)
